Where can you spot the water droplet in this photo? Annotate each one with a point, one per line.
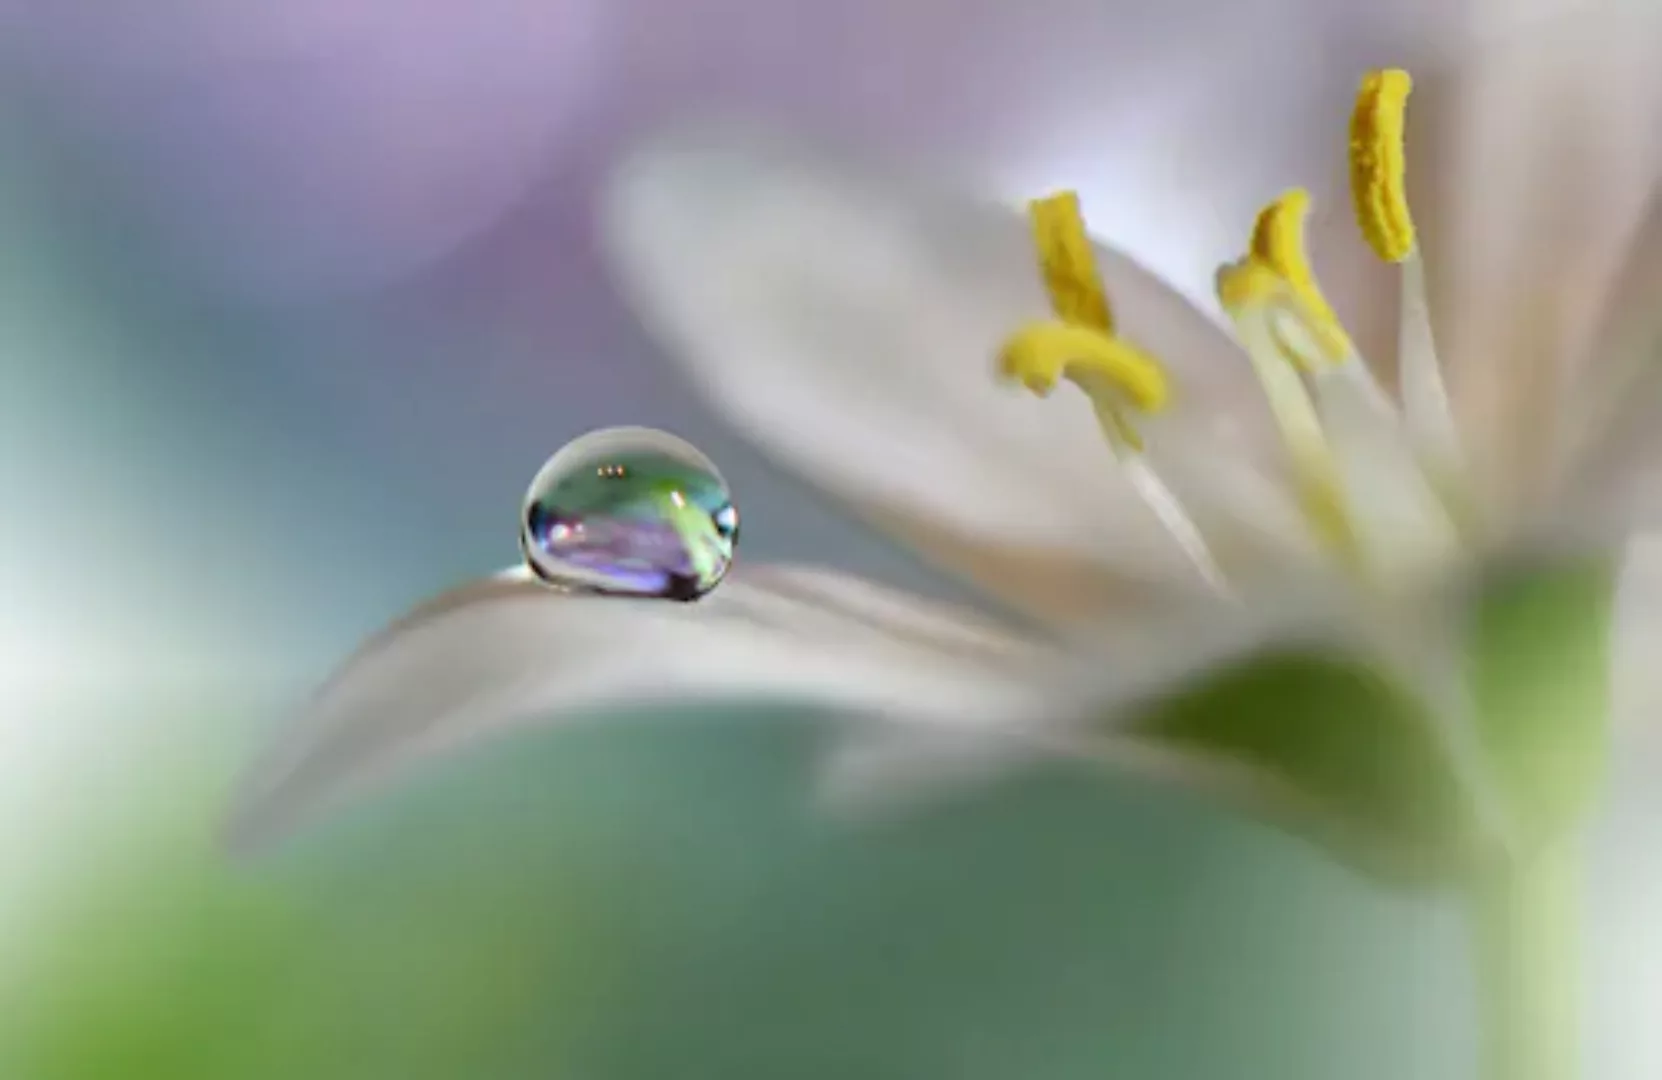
(630, 511)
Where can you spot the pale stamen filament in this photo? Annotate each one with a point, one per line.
(1402, 521)
(1399, 517)
(1255, 299)
(1379, 190)
(1119, 379)
(1378, 173)
(1157, 495)
(1338, 422)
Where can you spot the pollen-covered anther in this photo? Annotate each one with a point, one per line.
(1080, 345)
(1042, 354)
(1067, 262)
(1378, 171)
(1278, 244)
(1120, 379)
(1378, 174)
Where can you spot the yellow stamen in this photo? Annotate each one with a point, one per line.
(1115, 375)
(1278, 243)
(1278, 338)
(1377, 165)
(1068, 263)
(1042, 353)
(1081, 348)
(1361, 490)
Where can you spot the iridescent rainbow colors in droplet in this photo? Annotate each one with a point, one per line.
(630, 511)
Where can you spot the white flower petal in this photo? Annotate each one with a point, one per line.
(846, 316)
(1136, 660)
(509, 652)
(1547, 147)
(1609, 481)
(1145, 657)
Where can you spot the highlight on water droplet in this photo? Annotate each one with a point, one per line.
(630, 511)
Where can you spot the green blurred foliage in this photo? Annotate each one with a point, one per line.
(1358, 751)
(1541, 685)
(1370, 760)
(654, 899)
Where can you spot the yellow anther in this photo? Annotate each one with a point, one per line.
(1115, 375)
(1081, 347)
(1278, 243)
(1378, 182)
(1067, 262)
(1041, 354)
(1378, 166)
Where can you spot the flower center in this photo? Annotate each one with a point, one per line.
(1376, 479)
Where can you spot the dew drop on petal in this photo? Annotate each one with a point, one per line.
(630, 511)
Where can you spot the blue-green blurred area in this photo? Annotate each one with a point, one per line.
(652, 899)
(152, 453)
(276, 480)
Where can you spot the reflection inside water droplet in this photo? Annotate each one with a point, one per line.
(630, 511)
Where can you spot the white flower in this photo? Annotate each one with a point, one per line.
(1369, 600)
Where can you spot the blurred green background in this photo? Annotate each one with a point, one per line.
(652, 900)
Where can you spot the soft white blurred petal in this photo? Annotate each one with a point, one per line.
(1145, 655)
(1609, 479)
(1132, 658)
(846, 314)
(873, 774)
(1544, 139)
(1637, 645)
(509, 652)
